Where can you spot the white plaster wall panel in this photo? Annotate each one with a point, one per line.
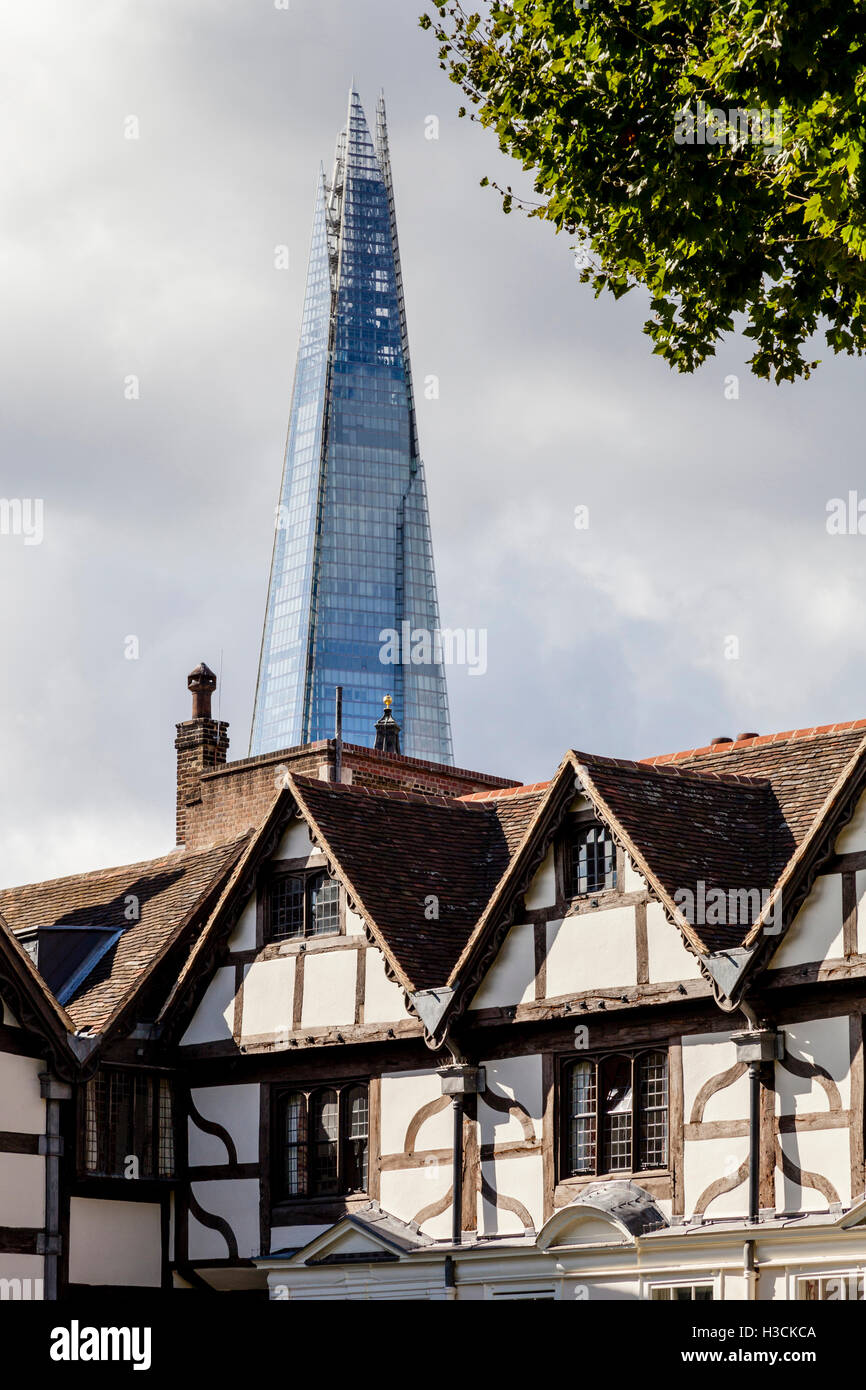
(853, 837)
(243, 938)
(236, 1109)
(354, 923)
(406, 1192)
(517, 1079)
(511, 977)
(212, 1020)
(22, 1190)
(668, 957)
(25, 1275)
(633, 882)
(295, 843)
(707, 1055)
(824, 1152)
(236, 1200)
(611, 1290)
(114, 1243)
(816, 931)
(705, 1161)
(593, 950)
(542, 890)
(402, 1096)
(329, 989)
(294, 1237)
(824, 1042)
(860, 877)
(521, 1179)
(383, 1000)
(7, 1018)
(22, 1109)
(268, 994)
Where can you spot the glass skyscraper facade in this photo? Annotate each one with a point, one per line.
(353, 559)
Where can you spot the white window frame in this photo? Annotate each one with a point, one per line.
(689, 1281)
(801, 1275)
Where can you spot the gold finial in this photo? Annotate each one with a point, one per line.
(387, 702)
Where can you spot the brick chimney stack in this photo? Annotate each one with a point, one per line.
(202, 744)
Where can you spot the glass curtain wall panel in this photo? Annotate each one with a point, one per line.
(352, 570)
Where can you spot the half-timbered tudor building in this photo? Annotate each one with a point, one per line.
(380, 1028)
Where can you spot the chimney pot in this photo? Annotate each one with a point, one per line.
(740, 737)
(202, 682)
(722, 738)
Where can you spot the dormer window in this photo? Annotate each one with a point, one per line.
(299, 905)
(590, 864)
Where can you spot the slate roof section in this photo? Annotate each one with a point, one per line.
(168, 891)
(400, 849)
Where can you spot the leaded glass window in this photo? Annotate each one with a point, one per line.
(128, 1125)
(322, 1142)
(299, 905)
(615, 1113)
(591, 860)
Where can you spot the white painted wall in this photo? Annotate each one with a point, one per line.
(236, 1108)
(593, 950)
(243, 938)
(825, 1041)
(705, 1161)
(542, 890)
(402, 1094)
(29, 1270)
(512, 1078)
(295, 843)
(294, 1237)
(114, 1243)
(212, 1020)
(329, 988)
(520, 1178)
(383, 1000)
(22, 1109)
(706, 1055)
(511, 977)
(268, 996)
(633, 882)
(22, 1190)
(405, 1193)
(668, 957)
(354, 923)
(816, 932)
(237, 1201)
(824, 1151)
(853, 837)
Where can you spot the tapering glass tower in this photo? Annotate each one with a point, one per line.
(352, 559)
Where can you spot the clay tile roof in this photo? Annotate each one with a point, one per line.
(399, 849)
(800, 766)
(167, 889)
(690, 826)
(730, 814)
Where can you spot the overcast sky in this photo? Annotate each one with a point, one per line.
(154, 258)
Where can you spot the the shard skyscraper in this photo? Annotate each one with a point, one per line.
(352, 556)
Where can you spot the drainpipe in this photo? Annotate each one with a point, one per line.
(53, 1092)
(457, 1161)
(459, 1080)
(760, 1045)
(750, 1270)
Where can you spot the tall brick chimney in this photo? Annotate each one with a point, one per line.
(202, 744)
